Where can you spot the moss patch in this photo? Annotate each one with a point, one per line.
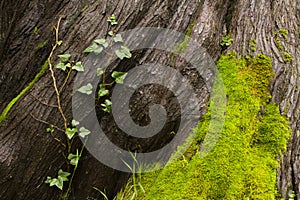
(243, 163)
(12, 102)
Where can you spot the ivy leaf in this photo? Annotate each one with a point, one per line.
(78, 67)
(95, 48)
(84, 132)
(119, 76)
(102, 91)
(61, 66)
(71, 132)
(74, 158)
(118, 38)
(111, 33)
(100, 72)
(123, 52)
(75, 123)
(106, 105)
(59, 42)
(87, 89)
(63, 175)
(102, 42)
(58, 182)
(64, 57)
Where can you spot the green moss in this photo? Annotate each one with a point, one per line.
(12, 102)
(287, 57)
(243, 163)
(226, 40)
(253, 45)
(284, 33)
(35, 31)
(41, 45)
(278, 42)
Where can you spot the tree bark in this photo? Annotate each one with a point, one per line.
(28, 155)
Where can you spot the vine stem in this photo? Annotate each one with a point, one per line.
(55, 82)
(53, 75)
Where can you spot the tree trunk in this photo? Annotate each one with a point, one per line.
(28, 154)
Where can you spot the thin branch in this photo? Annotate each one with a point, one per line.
(46, 104)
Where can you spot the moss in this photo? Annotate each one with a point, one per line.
(35, 31)
(284, 33)
(242, 164)
(12, 102)
(41, 45)
(278, 42)
(287, 57)
(253, 45)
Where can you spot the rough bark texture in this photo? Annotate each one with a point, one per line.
(28, 154)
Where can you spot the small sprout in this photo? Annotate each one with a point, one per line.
(100, 72)
(102, 91)
(87, 89)
(78, 67)
(119, 76)
(71, 132)
(106, 105)
(84, 132)
(112, 20)
(50, 129)
(123, 52)
(64, 57)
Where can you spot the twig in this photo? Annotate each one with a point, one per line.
(46, 104)
(55, 138)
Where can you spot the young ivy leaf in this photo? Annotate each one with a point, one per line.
(71, 132)
(62, 66)
(110, 33)
(118, 38)
(58, 182)
(75, 123)
(64, 57)
(78, 67)
(84, 132)
(63, 175)
(123, 52)
(95, 48)
(73, 158)
(100, 72)
(102, 42)
(106, 105)
(59, 42)
(119, 76)
(87, 89)
(102, 91)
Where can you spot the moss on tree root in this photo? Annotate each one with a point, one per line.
(243, 163)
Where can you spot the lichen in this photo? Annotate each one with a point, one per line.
(242, 164)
